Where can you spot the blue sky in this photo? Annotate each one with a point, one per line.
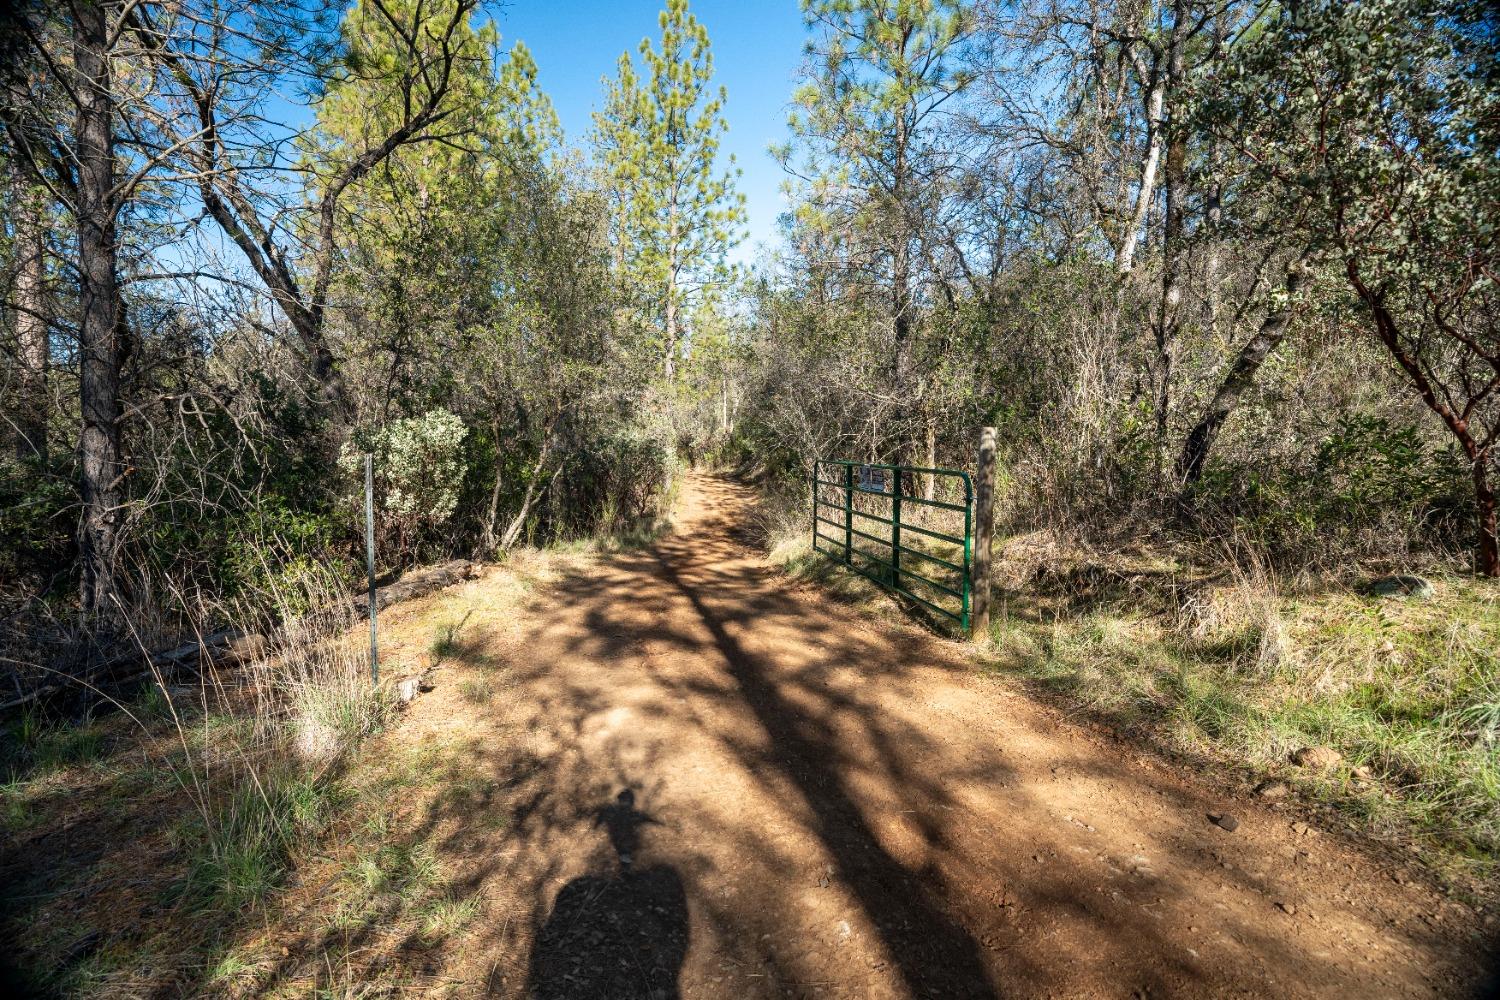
(757, 48)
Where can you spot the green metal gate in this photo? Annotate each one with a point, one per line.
(850, 496)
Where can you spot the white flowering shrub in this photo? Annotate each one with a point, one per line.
(419, 469)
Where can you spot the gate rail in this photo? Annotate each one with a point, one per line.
(850, 479)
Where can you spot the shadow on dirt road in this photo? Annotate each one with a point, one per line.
(620, 934)
(931, 952)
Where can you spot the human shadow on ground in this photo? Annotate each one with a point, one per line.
(619, 935)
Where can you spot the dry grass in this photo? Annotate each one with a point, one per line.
(141, 845)
(1241, 671)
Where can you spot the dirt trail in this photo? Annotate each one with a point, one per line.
(728, 786)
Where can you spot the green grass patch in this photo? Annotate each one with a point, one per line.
(1405, 691)
(33, 746)
(241, 850)
(404, 870)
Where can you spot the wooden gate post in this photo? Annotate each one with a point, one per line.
(370, 561)
(984, 520)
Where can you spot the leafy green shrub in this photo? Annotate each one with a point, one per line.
(419, 470)
(36, 519)
(272, 548)
(613, 484)
(1371, 484)
(1368, 469)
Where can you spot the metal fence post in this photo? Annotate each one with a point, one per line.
(984, 518)
(896, 527)
(370, 560)
(848, 514)
(816, 475)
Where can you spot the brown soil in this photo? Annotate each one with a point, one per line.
(705, 781)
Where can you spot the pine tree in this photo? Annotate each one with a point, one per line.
(422, 234)
(870, 115)
(619, 149)
(675, 217)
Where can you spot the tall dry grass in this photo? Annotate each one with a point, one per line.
(257, 745)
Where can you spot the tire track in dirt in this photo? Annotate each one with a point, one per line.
(724, 785)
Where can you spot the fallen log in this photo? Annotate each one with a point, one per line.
(418, 583)
(224, 646)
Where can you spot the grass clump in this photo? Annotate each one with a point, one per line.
(35, 746)
(243, 847)
(15, 808)
(65, 746)
(401, 869)
(445, 645)
(447, 915)
(476, 690)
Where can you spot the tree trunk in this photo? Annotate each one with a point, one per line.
(901, 374)
(31, 317)
(669, 368)
(901, 263)
(100, 349)
(488, 538)
(1273, 329)
(1213, 202)
(901, 304)
(724, 428)
(929, 488)
(1156, 83)
(1213, 214)
(1489, 529)
(1172, 245)
(1171, 293)
(518, 522)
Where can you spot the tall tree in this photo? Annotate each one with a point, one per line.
(420, 234)
(30, 312)
(874, 114)
(101, 349)
(415, 51)
(1377, 126)
(658, 141)
(619, 150)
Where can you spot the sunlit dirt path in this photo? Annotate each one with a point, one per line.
(716, 783)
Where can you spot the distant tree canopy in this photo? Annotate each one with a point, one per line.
(676, 215)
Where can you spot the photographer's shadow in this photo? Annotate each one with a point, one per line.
(617, 936)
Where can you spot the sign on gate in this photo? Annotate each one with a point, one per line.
(871, 479)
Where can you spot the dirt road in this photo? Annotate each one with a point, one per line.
(728, 786)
